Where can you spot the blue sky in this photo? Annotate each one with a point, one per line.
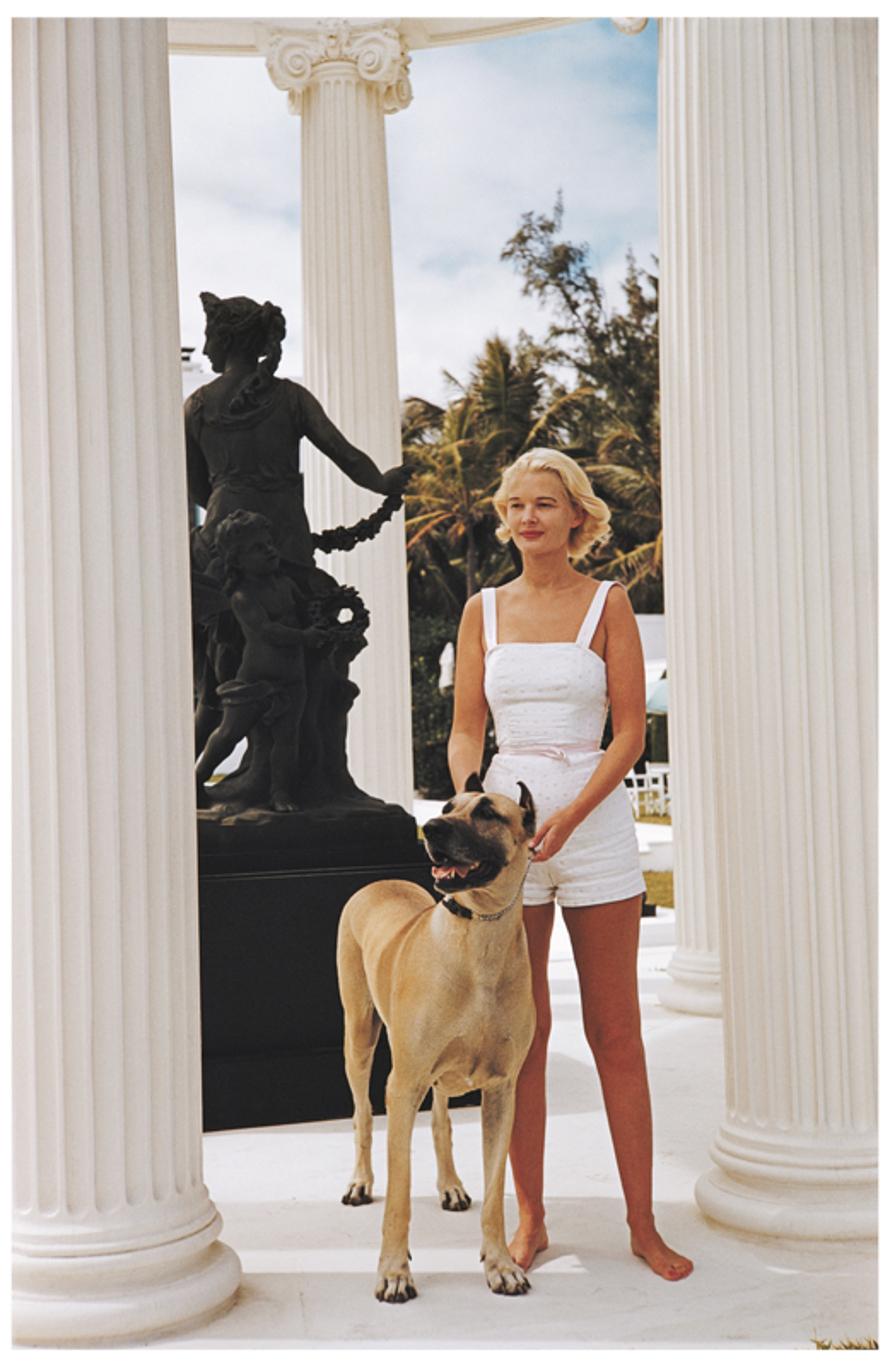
(495, 129)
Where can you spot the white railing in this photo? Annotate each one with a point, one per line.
(650, 791)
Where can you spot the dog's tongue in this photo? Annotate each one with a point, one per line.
(450, 870)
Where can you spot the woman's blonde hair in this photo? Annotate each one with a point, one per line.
(594, 526)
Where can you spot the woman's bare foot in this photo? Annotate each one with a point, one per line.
(648, 1244)
(527, 1243)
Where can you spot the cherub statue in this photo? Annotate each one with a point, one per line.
(269, 688)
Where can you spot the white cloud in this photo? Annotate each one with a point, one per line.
(494, 130)
(492, 134)
(237, 180)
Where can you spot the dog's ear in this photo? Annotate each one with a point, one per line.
(474, 784)
(527, 804)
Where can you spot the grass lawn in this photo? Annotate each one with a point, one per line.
(660, 888)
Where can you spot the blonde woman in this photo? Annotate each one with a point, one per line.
(550, 653)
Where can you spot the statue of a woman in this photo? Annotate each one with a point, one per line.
(243, 431)
(243, 434)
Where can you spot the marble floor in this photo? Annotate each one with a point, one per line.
(309, 1262)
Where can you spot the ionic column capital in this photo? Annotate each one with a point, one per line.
(377, 53)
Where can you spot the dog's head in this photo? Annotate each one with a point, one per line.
(477, 836)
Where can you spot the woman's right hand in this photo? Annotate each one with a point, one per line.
(552, 834)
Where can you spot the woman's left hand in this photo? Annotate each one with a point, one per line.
(550, 837)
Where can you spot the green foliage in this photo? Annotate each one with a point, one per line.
(610, 416)
(431, 709)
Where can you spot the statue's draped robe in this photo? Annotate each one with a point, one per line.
(251, 460)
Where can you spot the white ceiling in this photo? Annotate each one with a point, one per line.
(236, 37)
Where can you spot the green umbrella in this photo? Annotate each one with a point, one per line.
(657, 697)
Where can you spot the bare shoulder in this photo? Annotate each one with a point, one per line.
(513, 588)
(472, 613)
(618, 605)
(470, 631)
(619, 622)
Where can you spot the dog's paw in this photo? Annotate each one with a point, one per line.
(455, 1198)
(357, 1194)
(504, 1277)
(395, 1285)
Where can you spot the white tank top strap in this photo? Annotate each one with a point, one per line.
(593, 614)
(490, 618)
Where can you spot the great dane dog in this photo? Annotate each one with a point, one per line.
(451, 980)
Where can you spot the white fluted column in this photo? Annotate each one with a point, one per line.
(768, 153)
(115, 1236)
(692, 541)
(693, 974)
(342, 77)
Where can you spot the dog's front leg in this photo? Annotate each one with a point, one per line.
(503, 1275)
(394, 1280)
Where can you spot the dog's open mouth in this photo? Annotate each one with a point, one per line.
(449, 873)
(450, 877)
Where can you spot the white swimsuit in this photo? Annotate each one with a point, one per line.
(549, 703)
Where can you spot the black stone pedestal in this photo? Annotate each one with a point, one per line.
(271, 893)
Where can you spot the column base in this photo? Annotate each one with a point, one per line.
(694, 984)
(108, 1299)
(793, 1190)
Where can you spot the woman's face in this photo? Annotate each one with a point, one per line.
(540, 514)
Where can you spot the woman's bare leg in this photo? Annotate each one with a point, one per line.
(605, 940)
(527, 1141)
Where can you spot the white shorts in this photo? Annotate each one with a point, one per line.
(600, 861)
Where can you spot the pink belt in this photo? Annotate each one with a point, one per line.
(562, 752)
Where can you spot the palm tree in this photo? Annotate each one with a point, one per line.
(449, 494)
(458, 453)
(626, 473)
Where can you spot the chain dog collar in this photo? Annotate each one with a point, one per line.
(457, 910)
(464, 912)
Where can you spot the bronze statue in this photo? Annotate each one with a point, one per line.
(243, 433)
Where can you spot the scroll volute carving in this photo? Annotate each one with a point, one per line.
(377, 52)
